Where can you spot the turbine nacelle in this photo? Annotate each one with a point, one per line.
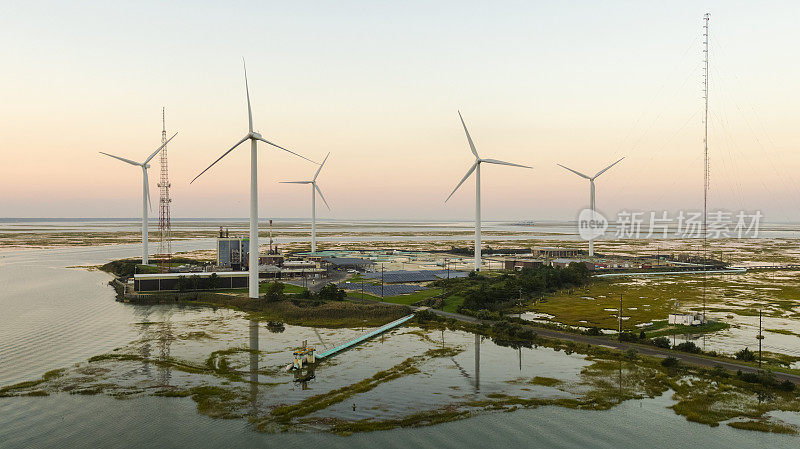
(478, 159)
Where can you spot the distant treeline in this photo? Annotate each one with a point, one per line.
(126, 268)
(470, 250)
(495, 292)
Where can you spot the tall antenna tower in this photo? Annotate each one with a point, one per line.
(706, 18)
(164, 225)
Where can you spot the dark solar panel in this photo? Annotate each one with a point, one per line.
(388, 289)
(415, 276)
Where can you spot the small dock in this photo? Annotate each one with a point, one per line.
(365, 337)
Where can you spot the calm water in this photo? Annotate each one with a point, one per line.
(55, 316)
(284, 229)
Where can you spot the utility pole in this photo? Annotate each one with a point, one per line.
(759, 337)
(619, 319)
(381, 282)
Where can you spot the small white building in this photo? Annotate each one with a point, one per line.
(685, 319)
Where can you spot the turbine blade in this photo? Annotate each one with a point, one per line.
(605, 169)
(321, 195)
(295, 182)
(159, 149)
(471, 144)
(469, 172)
(495, 161)
(247, 90)
(284, 149)
(223, 155)
(121, 158)
(320, 166)
(573, 171)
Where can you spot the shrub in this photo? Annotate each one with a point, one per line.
(274, 292)
(594, 330)
(719, 371)
(631, 354)
(627, 336)
(745, 355)
(661, 342)
(752, 378)
(787, 385)
(642, 335)
(670, 362)
(331, 292)
(688, 346)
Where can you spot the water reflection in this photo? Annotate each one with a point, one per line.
(165, 339)
(254, 353)
(477, 363)
(156, 339)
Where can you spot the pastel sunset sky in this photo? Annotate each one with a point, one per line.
(378, 85)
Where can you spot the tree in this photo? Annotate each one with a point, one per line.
(274, 292)
(182, 284)
(642, 335)
(213, 281)
(331, 292)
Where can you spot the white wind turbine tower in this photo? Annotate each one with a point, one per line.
(591, 193)
(476, 167)
(145, 192)
(314, 190)
(253, 137)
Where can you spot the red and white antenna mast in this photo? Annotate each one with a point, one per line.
(706, 18)
(164, 226)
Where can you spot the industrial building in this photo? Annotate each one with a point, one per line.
(271, 259)
(340, 263)
(233, 252)
(563, 263)
(686, 319)
(518, 264)
(549, 252)
(199, 281)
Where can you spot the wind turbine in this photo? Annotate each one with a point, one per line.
(314, 190)
(591, 194)
(476, 167)
(253, 137)
(145, 192)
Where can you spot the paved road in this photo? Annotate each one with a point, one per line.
(643, 349)
(315, 285)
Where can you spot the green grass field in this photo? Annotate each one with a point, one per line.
(399, 299)
(653, 299)
(262, 288)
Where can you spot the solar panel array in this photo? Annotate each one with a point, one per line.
(397, 276)
(388, 289)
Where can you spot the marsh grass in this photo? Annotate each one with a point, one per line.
(309, 405)
(765, 426)
(420, 419)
